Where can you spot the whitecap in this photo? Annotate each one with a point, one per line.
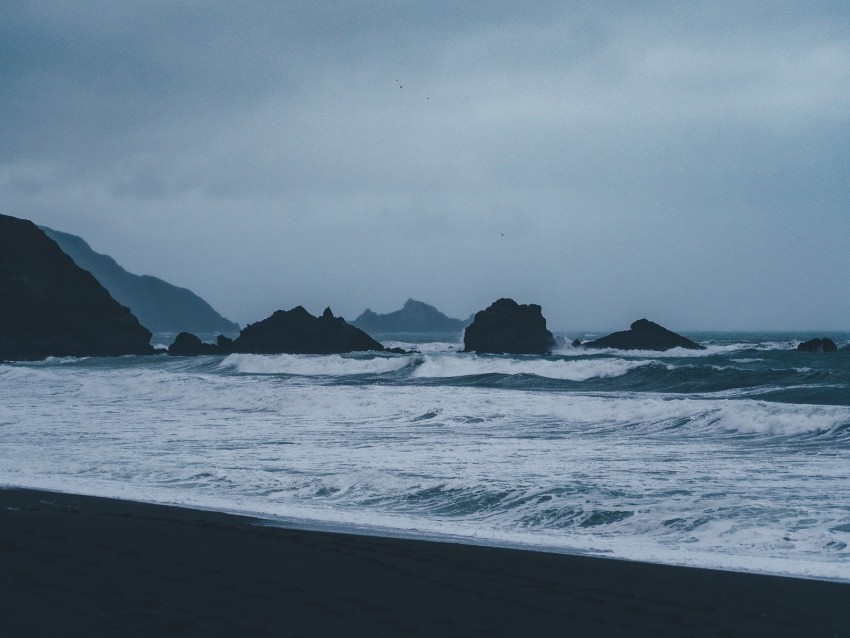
(437, 366)
(315, 365)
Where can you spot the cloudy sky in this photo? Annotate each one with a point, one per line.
(687, 162)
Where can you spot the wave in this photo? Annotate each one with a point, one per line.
(429, 366)
(448, 366)
(314, 365)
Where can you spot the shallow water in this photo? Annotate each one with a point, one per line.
(735, 457)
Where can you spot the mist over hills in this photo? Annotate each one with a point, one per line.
(158, 305)
(415, 316)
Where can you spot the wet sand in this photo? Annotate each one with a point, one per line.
(81, 566)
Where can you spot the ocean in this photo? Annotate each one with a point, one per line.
(736, 457)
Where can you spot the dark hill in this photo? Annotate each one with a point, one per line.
(49, 306)
(159, 305)
(415, 316)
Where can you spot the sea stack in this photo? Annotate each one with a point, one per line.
(296, 331)
(644, 335)
(818, 345)
(188, 345)
(506, 327)
(49, 306)
(157, 304)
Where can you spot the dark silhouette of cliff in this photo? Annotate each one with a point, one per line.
(49, 306)
(159, 305)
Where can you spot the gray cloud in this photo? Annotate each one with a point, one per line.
(687, 164)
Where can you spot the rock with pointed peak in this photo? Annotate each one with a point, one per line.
(296, 331)
(644, 335)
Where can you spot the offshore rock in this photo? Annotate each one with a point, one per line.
(296, 331)
(158, 305)
(415, 316)
(506, 327)
(188, 345)
(818, 345)
(49, 306)
(644, 335)
(225, 344)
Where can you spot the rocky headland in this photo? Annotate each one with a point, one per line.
(158, 305)
(644, 335)
(506, 327)
(49, 306)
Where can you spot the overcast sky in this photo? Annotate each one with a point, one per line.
(686, 162)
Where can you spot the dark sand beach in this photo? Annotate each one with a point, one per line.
(81, 566)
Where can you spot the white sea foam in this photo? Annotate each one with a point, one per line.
(710, 480)
(425, 348)
(710, 350)
(314, 365)
(759, 417)
(438, 366)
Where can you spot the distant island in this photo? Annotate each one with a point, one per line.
(415, 316)
(158, 305)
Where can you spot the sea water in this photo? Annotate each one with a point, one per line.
(734, 457)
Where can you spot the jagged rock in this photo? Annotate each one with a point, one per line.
(49, 306)
(296, 331)
(644, 335)
(415, 316)
(158, 305)
(575, 343)
(818, 345)
(188, 345)
(506, 327)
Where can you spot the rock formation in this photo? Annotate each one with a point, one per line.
(188, 345)
(506, 327)
(415, 316)
(818, 345)
(159, 305)
(49, 306)
(644, 335)
(296, 331)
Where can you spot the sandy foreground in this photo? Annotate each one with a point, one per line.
(82, 566)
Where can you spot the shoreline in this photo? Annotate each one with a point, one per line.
(308, 525)
(82, 564)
